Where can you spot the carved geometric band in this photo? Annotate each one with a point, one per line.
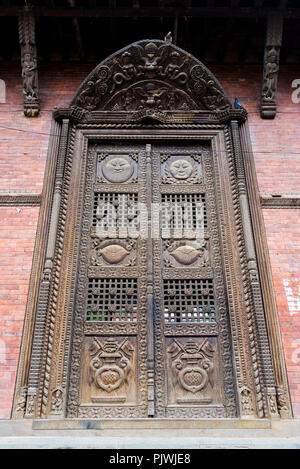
(280, 202)
(191, 329)
(111, 328)
(20, 199)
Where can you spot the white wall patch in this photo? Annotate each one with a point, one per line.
(292, 290)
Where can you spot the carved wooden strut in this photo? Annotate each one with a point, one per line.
(29, 63)
(271, 67)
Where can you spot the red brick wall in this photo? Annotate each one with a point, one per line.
(282, 228)
(23, 152)
(22, 162)
(17, 233)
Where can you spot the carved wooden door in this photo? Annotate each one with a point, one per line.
(151, 336)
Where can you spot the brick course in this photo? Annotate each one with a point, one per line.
(22, 162)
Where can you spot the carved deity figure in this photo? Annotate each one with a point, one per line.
(150, 95)
(57, 400)
(172, 70)
(127, 70)
(29, 67)
(87, 96)
(271, 68)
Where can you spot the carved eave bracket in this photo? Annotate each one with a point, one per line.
(29, 63)
(271, 67)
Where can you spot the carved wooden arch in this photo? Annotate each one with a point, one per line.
(152, 91)
(148, 75)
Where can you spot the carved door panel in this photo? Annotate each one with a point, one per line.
(151, 331)
(109, 357)
(193, 359)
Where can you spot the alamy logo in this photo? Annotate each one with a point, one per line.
(296, 93)
(2, 92)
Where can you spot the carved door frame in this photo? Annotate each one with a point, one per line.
(260, 387)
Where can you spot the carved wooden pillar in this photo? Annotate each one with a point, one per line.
(271, 66)
(47, 277)
(268, 293)
(150, 332)
(262, 363)
(29, 63)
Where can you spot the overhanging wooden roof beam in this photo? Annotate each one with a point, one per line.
(208, 12)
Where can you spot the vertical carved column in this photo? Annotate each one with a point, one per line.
(43, 300)
(20, 397)
(150, 331)
(29, 63)
(269, 299)
(271, 66)
(261, 357)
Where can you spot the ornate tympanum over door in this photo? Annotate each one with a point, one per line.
(150, 298)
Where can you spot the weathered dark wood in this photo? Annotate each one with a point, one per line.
(77, 32)
(209, 12)
(271, 67)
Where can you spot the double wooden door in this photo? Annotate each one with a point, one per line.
(150, 333)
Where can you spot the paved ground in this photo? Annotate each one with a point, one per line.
(20, 434)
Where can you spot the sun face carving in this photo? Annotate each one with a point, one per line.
(181, 169)
(117, 169)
